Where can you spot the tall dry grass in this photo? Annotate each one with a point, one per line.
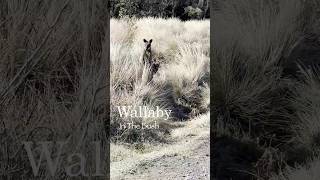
(52, 81)
(251, 95)
(181, 84)
(252, 40)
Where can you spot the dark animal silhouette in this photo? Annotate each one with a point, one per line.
(148, 59)
(147, 53)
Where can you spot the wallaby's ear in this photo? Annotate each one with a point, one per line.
(144, 40)
(150, 41)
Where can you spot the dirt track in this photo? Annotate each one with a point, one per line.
(192, 166)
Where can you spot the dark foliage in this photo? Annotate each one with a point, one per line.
(183, 9)
(233, 159)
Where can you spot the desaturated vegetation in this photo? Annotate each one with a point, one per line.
(52, 84)
(265, 90)
(181, 83)
(182, 9)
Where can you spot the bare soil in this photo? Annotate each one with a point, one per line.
(192, 166)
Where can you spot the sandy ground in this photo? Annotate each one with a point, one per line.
(192, 166)
(188, 158)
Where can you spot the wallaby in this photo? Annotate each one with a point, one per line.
(148, 60)
(147, 54)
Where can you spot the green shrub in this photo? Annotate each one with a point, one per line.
(128, 8)
(193, 13)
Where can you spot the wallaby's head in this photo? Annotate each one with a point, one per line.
(147, 44)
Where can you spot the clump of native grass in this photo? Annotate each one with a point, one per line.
(52, 86)
(180, 85)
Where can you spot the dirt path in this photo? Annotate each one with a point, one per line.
(187, 159)
(192, 166)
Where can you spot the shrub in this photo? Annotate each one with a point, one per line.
(194, 13)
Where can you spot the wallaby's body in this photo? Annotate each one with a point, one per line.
(147, 54)
(148, 60)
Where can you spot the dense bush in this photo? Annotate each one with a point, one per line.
(190, 9)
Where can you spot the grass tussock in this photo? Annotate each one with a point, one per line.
(311, 171)
(181, 83)
(52, 79)
(256, 94)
